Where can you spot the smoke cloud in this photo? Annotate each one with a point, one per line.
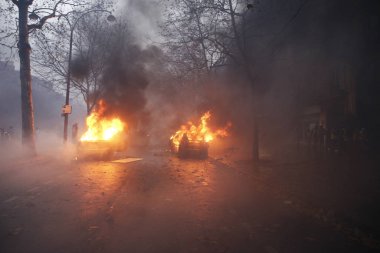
(125, 80)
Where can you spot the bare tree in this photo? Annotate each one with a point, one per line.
(93, 38)
(190, 29)
(42, 12)
(223, 32)
(250, 55)
(207, 34)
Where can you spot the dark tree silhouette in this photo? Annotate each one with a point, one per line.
(40, 15)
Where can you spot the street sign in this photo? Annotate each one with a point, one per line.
(66, 109)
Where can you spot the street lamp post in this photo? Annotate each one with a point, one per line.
(67, 108)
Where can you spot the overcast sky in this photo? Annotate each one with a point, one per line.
(144, 16)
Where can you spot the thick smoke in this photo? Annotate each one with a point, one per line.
(118, 67)
(144, 15)
(80, 68)
(294, 50)
(125, 80)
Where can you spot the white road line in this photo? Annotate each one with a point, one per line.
(10, 199)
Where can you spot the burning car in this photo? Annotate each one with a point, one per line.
(193, 149)
(103, 150)
(104, 136)
(192, 141)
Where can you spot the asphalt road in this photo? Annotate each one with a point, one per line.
(158, 204)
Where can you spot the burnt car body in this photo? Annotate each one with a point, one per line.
(190, 149)
(97, 150)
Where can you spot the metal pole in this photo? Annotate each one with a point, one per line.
(68, 80)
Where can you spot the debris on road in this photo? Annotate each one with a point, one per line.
(127, 160)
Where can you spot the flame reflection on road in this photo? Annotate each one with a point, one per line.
(99, 181)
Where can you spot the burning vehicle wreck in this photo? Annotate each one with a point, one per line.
(190, 149)
(103, 150)
(192, 141)
(104, 136)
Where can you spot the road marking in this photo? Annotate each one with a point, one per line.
(49, 182)
(33, 189)
(10, 199)
(127, 160)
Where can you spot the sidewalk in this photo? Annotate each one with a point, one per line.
(340, 190)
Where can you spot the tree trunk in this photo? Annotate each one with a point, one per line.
(255, 129)
(88, 106)
(28, 134)
(247, 69)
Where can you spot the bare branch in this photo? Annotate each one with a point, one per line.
(43, 20)
(15, 2)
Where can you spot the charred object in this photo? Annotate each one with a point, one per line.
(190, 149)
(98, 150)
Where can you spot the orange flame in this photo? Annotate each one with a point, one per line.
(200, 133)
(102, 129)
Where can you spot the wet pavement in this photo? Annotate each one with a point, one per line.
(158, 204)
